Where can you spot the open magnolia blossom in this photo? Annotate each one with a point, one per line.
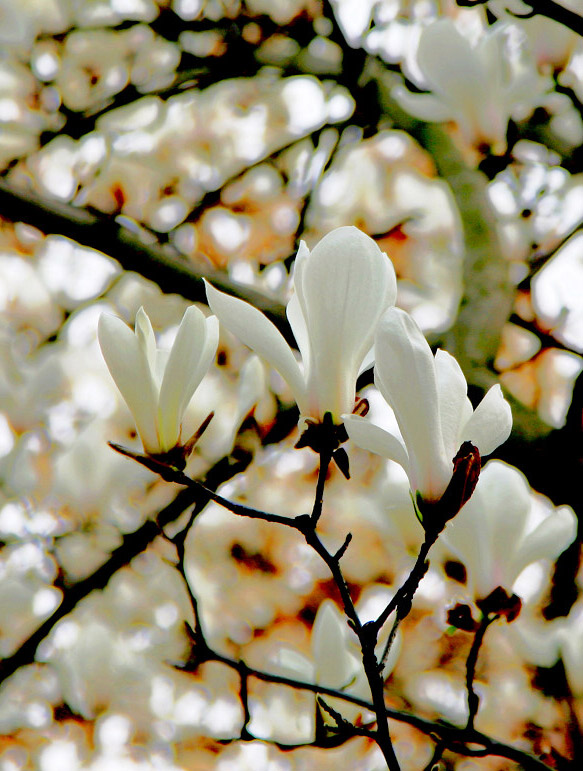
(429, 397)
(342, 287)
(504, 528)
(158, 385)
(480, 87)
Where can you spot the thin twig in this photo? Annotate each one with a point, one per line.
(244, 697)
(454, 736)
(306, 524)
(436, 757)
(404, 596)
(325, 458)
(132, 545)
(457, 738)
(473, 698)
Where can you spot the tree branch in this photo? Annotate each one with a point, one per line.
(133, 544)
(163, 265)
(472, 660)
(454, 737)
(457, 739)
(548, 8)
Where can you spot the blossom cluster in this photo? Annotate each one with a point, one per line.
(141, 628)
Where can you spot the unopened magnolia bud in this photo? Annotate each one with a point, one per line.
(466, 471)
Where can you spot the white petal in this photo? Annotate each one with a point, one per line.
(256, 331)
(252, 386)
(405, 375)
(423, 106)
(368, 361)
(487, 530)
(548, 540)
(187, 364)
(335, 666)
(454, 406)
(300, 263)
(449, 64)
(537, 640)
(491, 423)
(297, 323)
(346, 283)
(375, 439)
(128, 365)
(288, 662)
(147, 340)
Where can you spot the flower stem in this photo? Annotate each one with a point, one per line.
(325, 458)
(402, 600)
(473, 698)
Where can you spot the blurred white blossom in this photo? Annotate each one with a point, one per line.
(479, 87)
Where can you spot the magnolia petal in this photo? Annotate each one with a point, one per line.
(367, 362)
(207, 354)
(423, 106)
(335, 667)
(505, 498)
(467, 536)
(288, 662)
(300, 262)
(297, 323)
(257, 332)
(211, 344)
(296, 310)
(572, 650)
(449, 64)
(548, 540)
(185, 368)
(454, 406)
(126, 360)
(405, 375)
(375, 439)
(252, 386)
(491, 423)
(537, 640)
(346, 284)
(487, 529)
(147, 340)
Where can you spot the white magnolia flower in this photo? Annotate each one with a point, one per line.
(342, 287)
(158, 385)
(429, 397)
(504, 528)
(336, 658)
(479, 87)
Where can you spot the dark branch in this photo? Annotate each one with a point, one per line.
(547, 8)
(473, 698)
(457, 738)
(133, 544)
(163, 265)
(401, 602)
